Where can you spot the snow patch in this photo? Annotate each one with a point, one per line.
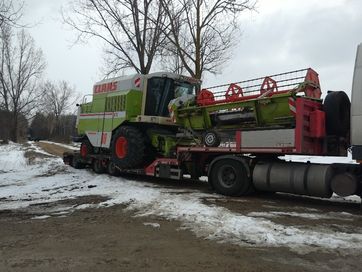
(49, 181)
(153, 225)
(40, 217)
(313, 216)
(11, 158)
(353, 198)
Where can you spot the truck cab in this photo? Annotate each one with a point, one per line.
(356, 109)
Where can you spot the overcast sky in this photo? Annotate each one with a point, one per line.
(281, 36)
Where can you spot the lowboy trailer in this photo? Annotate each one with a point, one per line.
(235, 138)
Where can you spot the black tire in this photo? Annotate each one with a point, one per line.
(211, 139)
(112, 169)
(97, 166)
(338, 113)
(128, 147)
(76, 163)
(86, 148)
(229, 177)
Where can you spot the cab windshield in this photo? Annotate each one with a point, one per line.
(184, 88)
(161, 90)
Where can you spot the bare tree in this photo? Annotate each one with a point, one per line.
(10, 13)
(5, 36)
(131, 29)
(203, 31)
(57, 100)
(21, 66)
(169, 54)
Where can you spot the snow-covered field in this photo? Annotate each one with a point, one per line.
(47, 179)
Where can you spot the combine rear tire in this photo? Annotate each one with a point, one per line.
(229, 177)
(337, 108)
(128, 147)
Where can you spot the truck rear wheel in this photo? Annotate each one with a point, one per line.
(229, 177)
(128, 147)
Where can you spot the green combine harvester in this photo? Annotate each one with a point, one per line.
(128, 117)
(138, 118)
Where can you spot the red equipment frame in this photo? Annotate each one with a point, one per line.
(304, 80)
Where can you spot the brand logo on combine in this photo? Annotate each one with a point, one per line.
(105, 88)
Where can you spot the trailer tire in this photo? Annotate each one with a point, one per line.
(76, 163)
(211, 139)
(98, 167)
(230, 177)
(128, 147)
(112, 169)
(337, 108)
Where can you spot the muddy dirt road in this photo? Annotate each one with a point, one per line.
(115, 239)
(112, 240)
(53, 148)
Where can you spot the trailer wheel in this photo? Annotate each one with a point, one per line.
(229, 177)
(211, 139)
(86, 148)
(76, 163)
(97, 166)
(112, 169)
(337, 108)
(128, 147)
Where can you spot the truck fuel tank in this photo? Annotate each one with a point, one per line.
(296, 178)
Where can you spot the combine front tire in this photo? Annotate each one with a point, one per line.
(128, 147)
(86, 149)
